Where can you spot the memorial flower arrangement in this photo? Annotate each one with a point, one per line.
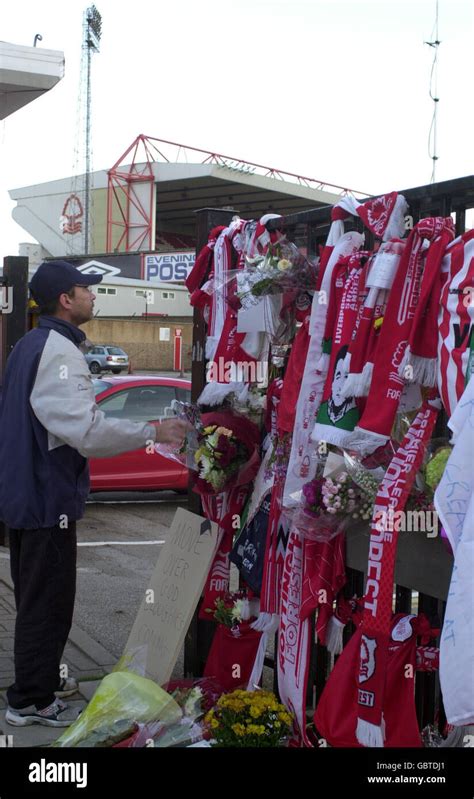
(229, 609)
(248, 719)
(283, 268)
(227, 453)
(329, 504)
(219, 456)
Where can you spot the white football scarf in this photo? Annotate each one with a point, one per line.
(454, 501)
(222, 265)
(302, 463)
(294, 640)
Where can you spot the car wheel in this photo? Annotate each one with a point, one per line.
(94, 368)
(116, 371)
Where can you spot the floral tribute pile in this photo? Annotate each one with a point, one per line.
(361, 351)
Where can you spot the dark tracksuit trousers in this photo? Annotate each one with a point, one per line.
(43, 569)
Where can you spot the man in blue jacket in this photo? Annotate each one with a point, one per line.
(49, 426)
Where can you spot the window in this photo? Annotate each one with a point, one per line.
(114, 404)
(97, 351)
(140, 403)
(183, 394)
(167, 295)
(100, 386)
(164, 333)
(111, 291)
(115, 351)
(147, 294)
(101, 290)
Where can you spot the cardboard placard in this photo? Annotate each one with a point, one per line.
(264, 316)
(173, 594)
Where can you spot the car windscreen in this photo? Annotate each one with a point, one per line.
(115, 351)
(100, 386)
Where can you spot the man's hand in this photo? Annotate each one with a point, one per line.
(171, 431)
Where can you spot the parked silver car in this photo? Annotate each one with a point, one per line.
(106, 358)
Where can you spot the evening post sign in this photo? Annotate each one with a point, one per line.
(172, 267)
(168, 267)
(172, 596)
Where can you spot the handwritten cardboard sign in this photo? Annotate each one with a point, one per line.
(172, 595)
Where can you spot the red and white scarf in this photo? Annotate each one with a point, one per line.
(294, 640)
(455, 319)
(277, 538)
(382, 269)
(337, 415)
(303, 457)
(391, 497)
(324, 575)
(222, 266)
(387, 385)
(384, 216)
(202, 264)
(222, 509)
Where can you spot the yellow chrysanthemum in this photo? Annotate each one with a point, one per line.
(239, 729)
(256, 711)
(197, 454)
(255, 729)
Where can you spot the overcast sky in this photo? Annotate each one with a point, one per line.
(330, 89)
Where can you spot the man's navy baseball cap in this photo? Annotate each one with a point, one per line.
(53, 278)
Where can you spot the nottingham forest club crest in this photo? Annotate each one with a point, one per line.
(70, 221)
(367, 658)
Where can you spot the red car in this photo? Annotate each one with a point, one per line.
(141, 399)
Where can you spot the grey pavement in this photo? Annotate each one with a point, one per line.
(110, 584)
(86, 659)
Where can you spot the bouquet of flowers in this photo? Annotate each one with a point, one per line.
(227, 454)
(283, 268)
(229, 609)
(249, 719)
(324, 511)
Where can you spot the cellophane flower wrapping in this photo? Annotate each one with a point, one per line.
(227, 454)
(185, 455)
(283, 268)
(122, 700)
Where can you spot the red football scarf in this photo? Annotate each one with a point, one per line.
(222, 509)
(232, 655)
(384, 216)
(303, 457)
(294, 640)
(324, 575)
(293, 378)
(277, 537)
(421, 352)
(202, 264)
(338, 415)
(382, 269)
(455, 319)
(375, 628)
(336, 714)
(220, 287)
(376, 423)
